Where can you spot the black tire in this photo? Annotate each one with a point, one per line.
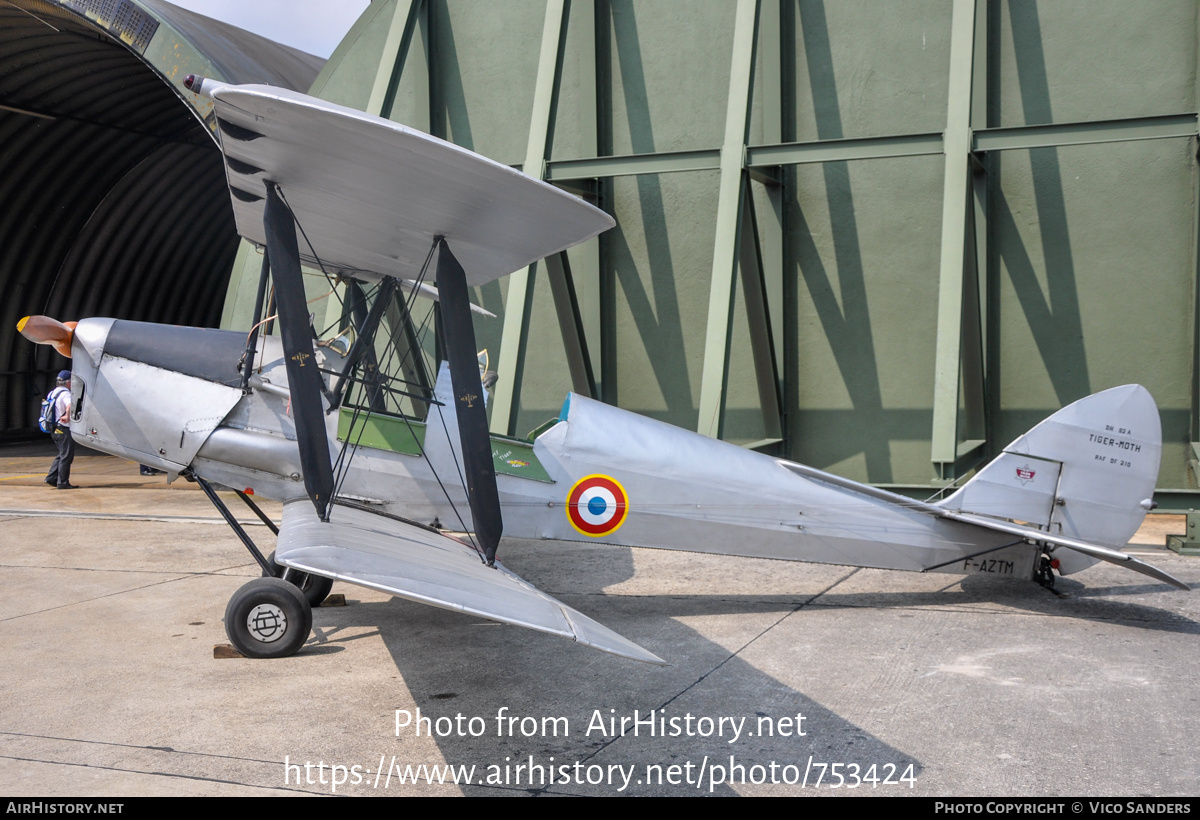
(315, 587)
(268, 618)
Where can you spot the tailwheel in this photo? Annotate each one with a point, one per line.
(314, 587)
(1044, 574)
(268, 618)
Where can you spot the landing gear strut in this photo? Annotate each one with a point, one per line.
(315, 588)
(1044, 574)
(270, 617)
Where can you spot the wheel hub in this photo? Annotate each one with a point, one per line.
(267, 623)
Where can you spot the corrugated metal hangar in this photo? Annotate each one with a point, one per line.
(112, 188)
(882, 237)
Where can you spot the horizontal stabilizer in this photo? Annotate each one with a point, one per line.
(1112, 556)
(382, 552)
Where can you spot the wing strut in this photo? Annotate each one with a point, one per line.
(247, 363)
(295, 330)
(462, 355)
(364, 341)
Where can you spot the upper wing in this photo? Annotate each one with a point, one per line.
(371, 194)
(382, 552)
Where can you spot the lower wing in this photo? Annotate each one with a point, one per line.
(379, 551)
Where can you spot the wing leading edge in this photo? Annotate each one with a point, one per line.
(384, 553)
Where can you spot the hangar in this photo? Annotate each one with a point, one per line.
(112, 188)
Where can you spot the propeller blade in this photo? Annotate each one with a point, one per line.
(43, 330)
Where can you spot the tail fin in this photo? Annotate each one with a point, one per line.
(1087, 472)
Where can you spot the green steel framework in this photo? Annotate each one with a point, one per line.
(750, 240)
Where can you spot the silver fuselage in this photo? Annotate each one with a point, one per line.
(172, 398)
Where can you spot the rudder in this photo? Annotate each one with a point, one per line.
(1086, 472)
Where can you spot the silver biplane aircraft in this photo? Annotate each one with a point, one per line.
(370, 455)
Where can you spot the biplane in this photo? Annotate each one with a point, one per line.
(375, 456)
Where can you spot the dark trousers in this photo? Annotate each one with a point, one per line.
(60, 470)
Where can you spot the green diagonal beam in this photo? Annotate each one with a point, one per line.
(729, 204)
(758, 317)
(586, 258)
(570, 324)
(517, 302)
(1193, 451)
(391, 62)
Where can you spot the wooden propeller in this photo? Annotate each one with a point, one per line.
(43, 330)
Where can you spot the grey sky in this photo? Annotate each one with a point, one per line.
(315, 26)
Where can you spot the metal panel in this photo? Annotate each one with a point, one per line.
(408, 188)
(167, 427)
(400, 558)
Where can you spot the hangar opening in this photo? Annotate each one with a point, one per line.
(113, 188)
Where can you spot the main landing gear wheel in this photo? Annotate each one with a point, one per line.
(268, 618)
(315, 587)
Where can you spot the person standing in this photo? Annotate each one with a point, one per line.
(60, 470)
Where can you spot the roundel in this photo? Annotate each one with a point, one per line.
(597, 505)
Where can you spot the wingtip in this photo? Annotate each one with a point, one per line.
(629, 651)
(590, 632)
(1167, 578)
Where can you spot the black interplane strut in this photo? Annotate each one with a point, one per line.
(463, 357)
(295, 330)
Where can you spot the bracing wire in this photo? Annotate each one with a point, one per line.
(346, 455)
(391, 352)
(341, 465)
(332, 281)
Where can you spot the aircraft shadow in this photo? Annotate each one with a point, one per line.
(456, 664)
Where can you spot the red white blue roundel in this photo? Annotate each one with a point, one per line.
(597, 505)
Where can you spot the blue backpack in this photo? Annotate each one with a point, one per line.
(48, 419)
